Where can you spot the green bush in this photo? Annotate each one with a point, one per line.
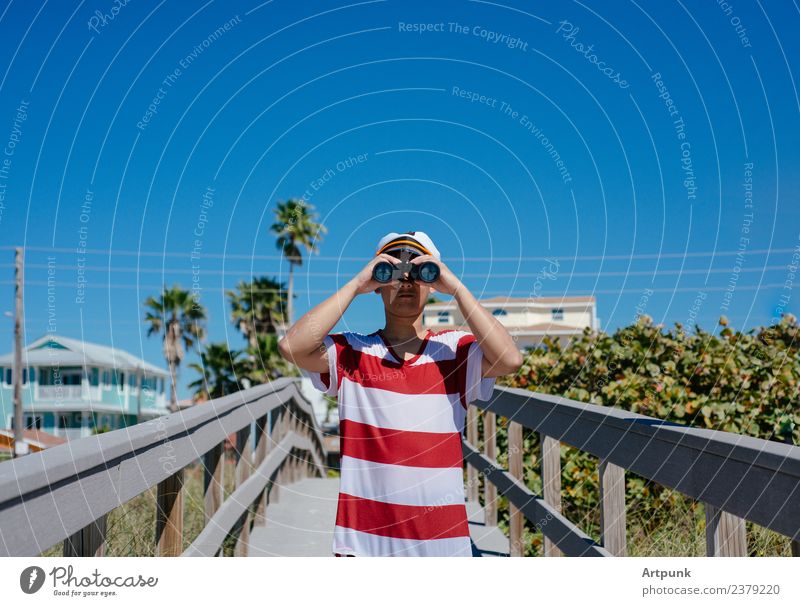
(745, 383)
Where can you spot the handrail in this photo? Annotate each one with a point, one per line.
(570, 539)
(738, 476)
(74, 485)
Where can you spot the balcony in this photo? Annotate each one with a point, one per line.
(60, 392)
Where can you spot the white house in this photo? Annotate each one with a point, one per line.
(527, 320)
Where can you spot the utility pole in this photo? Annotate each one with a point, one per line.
(20, 446)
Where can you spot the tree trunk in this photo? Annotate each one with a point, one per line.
(289, 305)
(173, 397)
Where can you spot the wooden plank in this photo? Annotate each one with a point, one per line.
(262, 439)
(725, 534)
(273, 487)
(213, 469)
(244, 457)
(551, 484)
(751, 478)
(302, 525)
(89, 541)
(169, 515)
(568, 538)
(489, 448)
(473, 478)
(612, 508)
(515, 468)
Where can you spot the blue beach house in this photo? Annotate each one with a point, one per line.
(70, 387)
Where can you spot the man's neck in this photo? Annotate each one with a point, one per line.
(403, 331)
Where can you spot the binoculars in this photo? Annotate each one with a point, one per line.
(384, 272)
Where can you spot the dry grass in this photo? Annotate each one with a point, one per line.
(677, 532)
(131, 528)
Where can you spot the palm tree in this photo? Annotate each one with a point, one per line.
(296, 226)
(264, 363)
(219, 371)
(181, 319)
(257, 307)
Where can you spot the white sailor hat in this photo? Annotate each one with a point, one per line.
(418, 241)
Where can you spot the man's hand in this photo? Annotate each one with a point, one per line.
(364, 282)
(447, 283)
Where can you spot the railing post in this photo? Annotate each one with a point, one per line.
(262, 437)
(612, 508)
(89, 541)
(244, 454)
(517, 521)
(275, 419)
(473, 486)
(169, 515)
(551, 483)
(213, 464)
(291, 467)
(725, 533)
(489, 489)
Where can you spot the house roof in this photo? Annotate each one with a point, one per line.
(540, 328)
(530, 301)
(54, 350)
(37, 439)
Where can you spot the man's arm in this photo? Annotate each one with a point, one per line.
(500, 353)
(303, 342)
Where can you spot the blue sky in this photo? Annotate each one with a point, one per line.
(510, 132)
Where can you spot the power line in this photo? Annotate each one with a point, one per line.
(584, 274)
(674, 255)
(496, 293)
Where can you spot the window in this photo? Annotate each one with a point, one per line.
(121, 383)
(131, 380)
(32, 421)
(106, 379)
(32, 374)
(71, 377)
(557, 314)
(24, 376)
(499, 312)
(94, 377)
(9, 377)
(444, 317)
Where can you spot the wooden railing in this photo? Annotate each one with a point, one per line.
(66, 492)
(737, 477)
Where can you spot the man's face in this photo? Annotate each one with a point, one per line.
(406, 298)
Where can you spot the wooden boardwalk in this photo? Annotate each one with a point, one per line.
(64, 494)
(301, 523)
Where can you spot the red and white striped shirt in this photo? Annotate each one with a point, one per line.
(401, 489)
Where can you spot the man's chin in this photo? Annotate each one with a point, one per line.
(409, 306)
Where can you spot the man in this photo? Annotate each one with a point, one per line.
(403, 392)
